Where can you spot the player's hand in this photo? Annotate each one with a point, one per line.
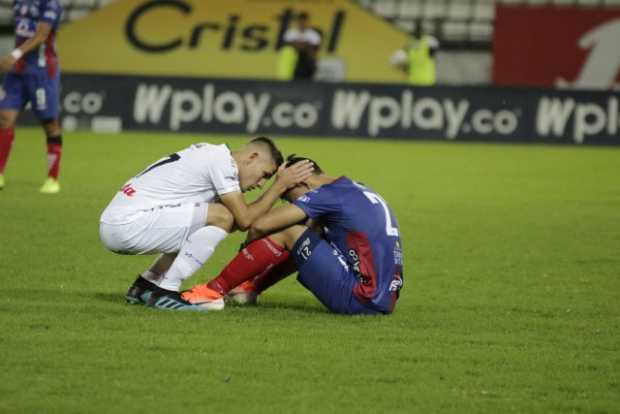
(289, 177)
(6, 63)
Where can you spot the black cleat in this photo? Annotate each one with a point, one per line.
(140, 292)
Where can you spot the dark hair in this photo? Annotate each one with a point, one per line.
(294, 159)
(303, 16)
(275, 153)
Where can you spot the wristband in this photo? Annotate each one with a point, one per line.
(17, 53)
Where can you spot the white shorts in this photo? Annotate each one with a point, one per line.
(161, 229)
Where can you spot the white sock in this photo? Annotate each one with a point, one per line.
(196, 250)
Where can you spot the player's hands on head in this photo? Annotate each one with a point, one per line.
(289, 177)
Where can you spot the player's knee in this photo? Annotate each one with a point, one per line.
(292, 234)
(7, 119)
(221, 217)
(52, 127)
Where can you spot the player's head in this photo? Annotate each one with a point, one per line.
(303, 187)
(303, 20)
(258, 160)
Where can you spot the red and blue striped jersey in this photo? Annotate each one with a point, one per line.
(27, 15)
(362, 226)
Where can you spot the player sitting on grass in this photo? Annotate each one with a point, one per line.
(171, 208)
(353, 267)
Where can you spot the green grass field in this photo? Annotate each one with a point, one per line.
(511, 300)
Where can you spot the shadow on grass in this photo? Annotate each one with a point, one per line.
(277, 306)
(118, 298)
(46, 294)
(108, 297)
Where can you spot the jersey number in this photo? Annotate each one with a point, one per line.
(375, 199)
(171, 158)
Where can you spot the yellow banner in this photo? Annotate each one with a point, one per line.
(216, 38)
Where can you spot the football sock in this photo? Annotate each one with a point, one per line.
(257, 258)
(196, 250)
(54, 153)
(6, 142)
(274, 275)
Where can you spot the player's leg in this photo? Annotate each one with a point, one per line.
(53, 135)
(194, 252)
(140, 291)
(159, 267)
(247, 293)
(7, 135)
(167, 230)
(44, 94)
(324, 271)
(256, 259)
(11, 101)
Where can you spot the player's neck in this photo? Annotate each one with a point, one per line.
(322, 179)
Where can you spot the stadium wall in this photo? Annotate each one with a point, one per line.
(114, 102)
(564, 47)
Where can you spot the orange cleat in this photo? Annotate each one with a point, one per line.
(204, 297)
(244, 294)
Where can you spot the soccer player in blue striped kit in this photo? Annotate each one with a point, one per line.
(353, 265)
(33, 77)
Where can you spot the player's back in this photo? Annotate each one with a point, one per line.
(361, 224)
(373, 244)
(196, 174)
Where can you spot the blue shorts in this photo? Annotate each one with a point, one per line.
(324, 272)
(41, 90)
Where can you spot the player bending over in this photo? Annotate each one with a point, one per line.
(353, 267)
(172, 208)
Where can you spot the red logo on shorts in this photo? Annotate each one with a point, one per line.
(128, 190)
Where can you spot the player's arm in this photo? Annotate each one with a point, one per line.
(41, 34)
(277, 219)
(245, 214)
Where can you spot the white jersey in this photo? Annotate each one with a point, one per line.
(198, 174)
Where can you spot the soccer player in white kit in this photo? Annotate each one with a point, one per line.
(183, 205)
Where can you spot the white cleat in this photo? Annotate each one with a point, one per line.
(244, 294)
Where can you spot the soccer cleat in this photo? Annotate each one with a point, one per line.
(244, 294)
(205, 297)
(170, 300)
(50, 186)
(2, 182)
(140, 291)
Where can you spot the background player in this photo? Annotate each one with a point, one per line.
(355, 267)
(305, 41)
(171, 208)
(33, 76)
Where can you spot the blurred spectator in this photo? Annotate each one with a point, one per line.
(298, 57)
(417, 60)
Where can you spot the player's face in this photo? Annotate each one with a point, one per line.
(256, 171)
